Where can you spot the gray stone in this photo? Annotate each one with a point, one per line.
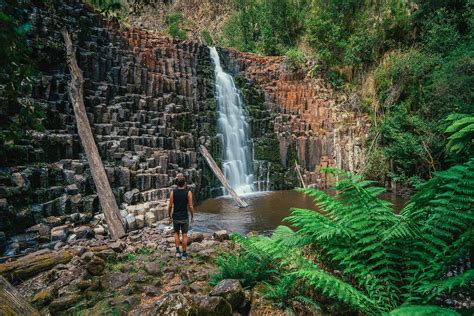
(153, 268)
(83, 232)
(221, 235)
(231, 291)
(212, 305)
(176, 304)
(115, 280)
(131, 222)
(59, 233)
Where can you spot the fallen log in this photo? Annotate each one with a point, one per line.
(32, 264)
(217, 171)
(12, 303)
(102, 185)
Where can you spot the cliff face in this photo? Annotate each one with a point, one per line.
(312, 122)
(150, 101)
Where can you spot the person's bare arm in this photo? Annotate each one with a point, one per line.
(190, 205)
(170, 205)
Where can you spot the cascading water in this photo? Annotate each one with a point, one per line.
(233, 126)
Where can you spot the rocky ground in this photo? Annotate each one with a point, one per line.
(137, 275)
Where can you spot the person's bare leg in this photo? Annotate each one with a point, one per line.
(185, 242)
(176, 240)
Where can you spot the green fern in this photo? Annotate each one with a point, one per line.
(423, 310)
(358, 252)
(461, 131)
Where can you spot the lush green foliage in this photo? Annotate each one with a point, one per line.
(420, 54)
(358, 252)
(175, 28)
(267, 26)
(249, 266)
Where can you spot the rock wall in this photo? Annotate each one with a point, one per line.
(313, 123)
(150, 102)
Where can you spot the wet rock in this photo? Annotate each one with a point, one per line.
(176, 304)
(231, 291)
(95, 266)
(221, 235)
(211, 305)
(99, 230)
(115, 280)
(63, 303)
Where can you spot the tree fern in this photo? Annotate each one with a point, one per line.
(461, 131)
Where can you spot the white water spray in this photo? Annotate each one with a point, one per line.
(232, 124)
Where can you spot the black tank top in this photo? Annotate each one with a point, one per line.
(180, 204)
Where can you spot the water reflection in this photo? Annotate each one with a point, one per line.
(265, 212)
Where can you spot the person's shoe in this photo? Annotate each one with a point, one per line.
(184, 256)
(178, 254)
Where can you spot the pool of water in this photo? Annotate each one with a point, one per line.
(265, 212)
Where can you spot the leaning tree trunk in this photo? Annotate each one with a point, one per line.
(12, 303)
(106, 197)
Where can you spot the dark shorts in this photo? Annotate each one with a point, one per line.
(181, 225)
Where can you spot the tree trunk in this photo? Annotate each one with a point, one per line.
(297, 168)
(217, 171)
(104, 191)
(33, 264)
(12, 303)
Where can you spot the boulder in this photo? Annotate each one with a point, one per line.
(140, 221)
(221, 235)
(42, 229)
(176, 304)
(211, 305)
(115, 280)
(63, 303)
(131, 222)
(118, 246)
(150, 218)
(83, 232)
(59, 233)
(153, 268)
(231, 291)
(95, 266)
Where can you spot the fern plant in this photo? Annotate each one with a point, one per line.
(358, 252)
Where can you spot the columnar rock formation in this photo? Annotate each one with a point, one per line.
(150, 102)
(308, 115)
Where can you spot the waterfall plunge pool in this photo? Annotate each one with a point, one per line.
(265, 212)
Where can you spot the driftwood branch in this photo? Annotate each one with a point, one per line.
(12, 303)
(217, 171)
(104, 191)
(297, 168)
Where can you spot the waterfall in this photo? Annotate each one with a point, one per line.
(232, 124)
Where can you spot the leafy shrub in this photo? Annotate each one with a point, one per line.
(206, 36)
(175, 26)
(461, 130)
(358, 252)
(249, 266)
(295, 59)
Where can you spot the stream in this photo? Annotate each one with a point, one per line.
(265, 212)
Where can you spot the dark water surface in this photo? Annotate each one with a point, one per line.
(265, 212)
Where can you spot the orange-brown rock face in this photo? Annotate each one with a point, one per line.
(311, 115)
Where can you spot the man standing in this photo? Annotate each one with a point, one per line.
(180, 200)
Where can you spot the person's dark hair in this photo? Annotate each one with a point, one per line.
(180, 180)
